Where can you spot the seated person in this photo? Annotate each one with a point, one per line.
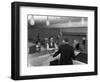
(38, 46)
(32, 49)
(35, 48)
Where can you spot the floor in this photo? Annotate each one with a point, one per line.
(45, 59)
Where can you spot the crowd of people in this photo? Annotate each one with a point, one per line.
(59, 47)
(51, 43)
(45, 44)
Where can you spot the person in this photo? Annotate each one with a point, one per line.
(45, 43)
(38, 46)
(52, 43)
(67, 53)
(76, 45)
(32, 49)
(84, 41)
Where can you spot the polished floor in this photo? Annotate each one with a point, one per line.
(44, 58)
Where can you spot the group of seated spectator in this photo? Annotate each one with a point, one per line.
(51, 43)
(79, 45)
(46, 44)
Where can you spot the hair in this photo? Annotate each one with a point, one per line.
(66, 39)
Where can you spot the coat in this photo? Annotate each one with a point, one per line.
(67, 54)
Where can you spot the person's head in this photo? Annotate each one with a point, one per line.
(83, 38)
(65, 40)
(51, 39)
(75, 42)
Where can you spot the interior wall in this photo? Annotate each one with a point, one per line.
(75, 30)
(74, 33)
(33, 33)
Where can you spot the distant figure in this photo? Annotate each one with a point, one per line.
(67, 53)
(46, 43)
(38, 46)
(84, 41)
(76, 45)
(32, 49)
(58, 40)
(52, 44)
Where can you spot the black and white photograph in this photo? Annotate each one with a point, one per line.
(53, 40)
(57, 40)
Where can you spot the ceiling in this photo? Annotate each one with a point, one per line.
(57, 21)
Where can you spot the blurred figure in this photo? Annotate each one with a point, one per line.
(84, 41)
(46, 43)
(58, 40)
(32, 49)
(52, 43)
(76, 45)
(38, 46)
(67, 53)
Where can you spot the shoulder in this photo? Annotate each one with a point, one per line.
(70, 47)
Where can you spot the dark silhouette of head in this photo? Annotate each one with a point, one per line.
(65, 40)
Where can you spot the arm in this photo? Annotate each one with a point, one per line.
(58, 52)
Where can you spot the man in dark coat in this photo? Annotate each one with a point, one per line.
(67, 53)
